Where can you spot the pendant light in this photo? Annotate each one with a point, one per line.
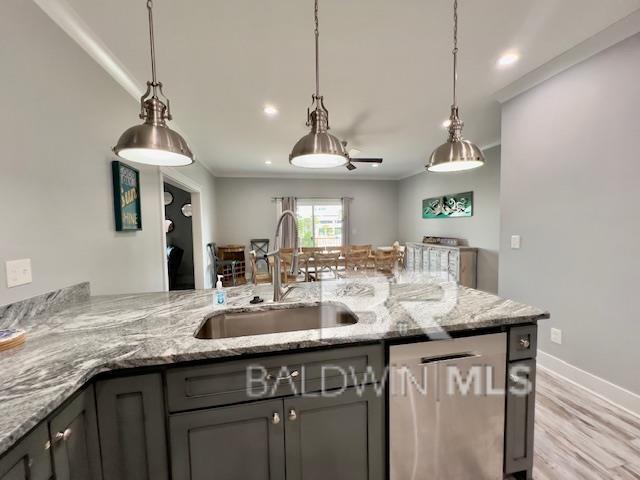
(318, 149)
(153, 142)
(456, 154)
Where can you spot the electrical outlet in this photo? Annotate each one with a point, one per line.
(18, 272)
(515, 242)
(556, 336)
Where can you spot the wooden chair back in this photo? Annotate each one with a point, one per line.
(357, 248)
(385, 261)
(258, 277)
(323, 261)
(357, 261)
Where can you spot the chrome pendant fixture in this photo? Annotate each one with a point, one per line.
(153, 142)
(456, 154)
(318, 149)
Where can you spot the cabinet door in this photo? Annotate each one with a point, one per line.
(337, 438)
(29, 459)
(229, 443)
(74, 437)
(520, 417)
(132, 428)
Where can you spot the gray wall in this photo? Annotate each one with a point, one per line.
(245, 209)
(61, 115)
(570, 185)
(481, 230)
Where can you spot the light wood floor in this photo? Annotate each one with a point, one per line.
(580, 436)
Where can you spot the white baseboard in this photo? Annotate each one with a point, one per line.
(620, 397)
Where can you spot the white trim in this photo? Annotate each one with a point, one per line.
(614, 33)
(618, 396)
(200, 262)
(68, 20)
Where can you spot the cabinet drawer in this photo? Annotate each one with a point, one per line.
(523, 342)
(241, 380)
(29, 459)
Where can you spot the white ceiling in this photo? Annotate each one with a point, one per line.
(385, 69)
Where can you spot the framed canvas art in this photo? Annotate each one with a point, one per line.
(448, 206)
(126, 197)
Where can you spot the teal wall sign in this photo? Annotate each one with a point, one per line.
(448, 206)
(126, 197)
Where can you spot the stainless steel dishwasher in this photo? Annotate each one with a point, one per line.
(446, 409)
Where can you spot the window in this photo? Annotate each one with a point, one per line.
(319, 222)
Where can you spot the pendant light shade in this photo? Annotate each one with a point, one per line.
(318, 149)
(456, 154)
(153, 142)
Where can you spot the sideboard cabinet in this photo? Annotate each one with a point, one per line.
(457, 264)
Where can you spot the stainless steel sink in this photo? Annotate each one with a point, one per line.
(238, 324)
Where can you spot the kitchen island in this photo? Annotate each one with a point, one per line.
(146, 343)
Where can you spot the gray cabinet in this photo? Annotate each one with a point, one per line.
(29, 459)
(520, 413)
(74, 439)
(337, 438)
(229, 443)
(131, 420)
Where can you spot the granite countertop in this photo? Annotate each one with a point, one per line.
(65, 349)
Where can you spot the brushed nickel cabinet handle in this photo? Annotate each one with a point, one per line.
(62, 436)
(525, 343)
(293, 415)
(275, 419)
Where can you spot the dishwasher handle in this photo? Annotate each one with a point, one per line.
(448, 357)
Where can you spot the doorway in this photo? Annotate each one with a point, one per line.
(186, 231)
(178, 211)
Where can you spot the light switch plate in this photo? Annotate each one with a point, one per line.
(556, 336)
(18, 272)
(515, 241)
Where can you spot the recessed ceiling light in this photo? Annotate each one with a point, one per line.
(375, 165)
(270, 110)
(446, 123)
(508, 59)
(267, 162)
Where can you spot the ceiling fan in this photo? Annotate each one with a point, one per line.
(352, 153)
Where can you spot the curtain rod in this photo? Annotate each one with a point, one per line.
(314, 198)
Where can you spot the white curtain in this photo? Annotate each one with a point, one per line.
(288, 233)
(346, 221)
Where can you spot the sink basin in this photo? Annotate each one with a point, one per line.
(238, 324)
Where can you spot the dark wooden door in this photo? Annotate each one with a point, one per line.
(132, 428)
(229, 443)
(520, 416)
(74, 437)
(336, 438)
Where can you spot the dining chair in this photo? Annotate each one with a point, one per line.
(219, 266)
(258, 276)
(261, 247)
(385, 261)
(357, 262)
(286, 257)
(325, 261)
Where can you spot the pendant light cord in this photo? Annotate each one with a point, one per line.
(154, 82)
(317, 35)
(455, 50)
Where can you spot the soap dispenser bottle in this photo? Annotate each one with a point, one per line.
(220, 293)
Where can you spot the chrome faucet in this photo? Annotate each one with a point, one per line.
(279, 290)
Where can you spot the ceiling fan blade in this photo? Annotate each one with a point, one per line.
(367, 160)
